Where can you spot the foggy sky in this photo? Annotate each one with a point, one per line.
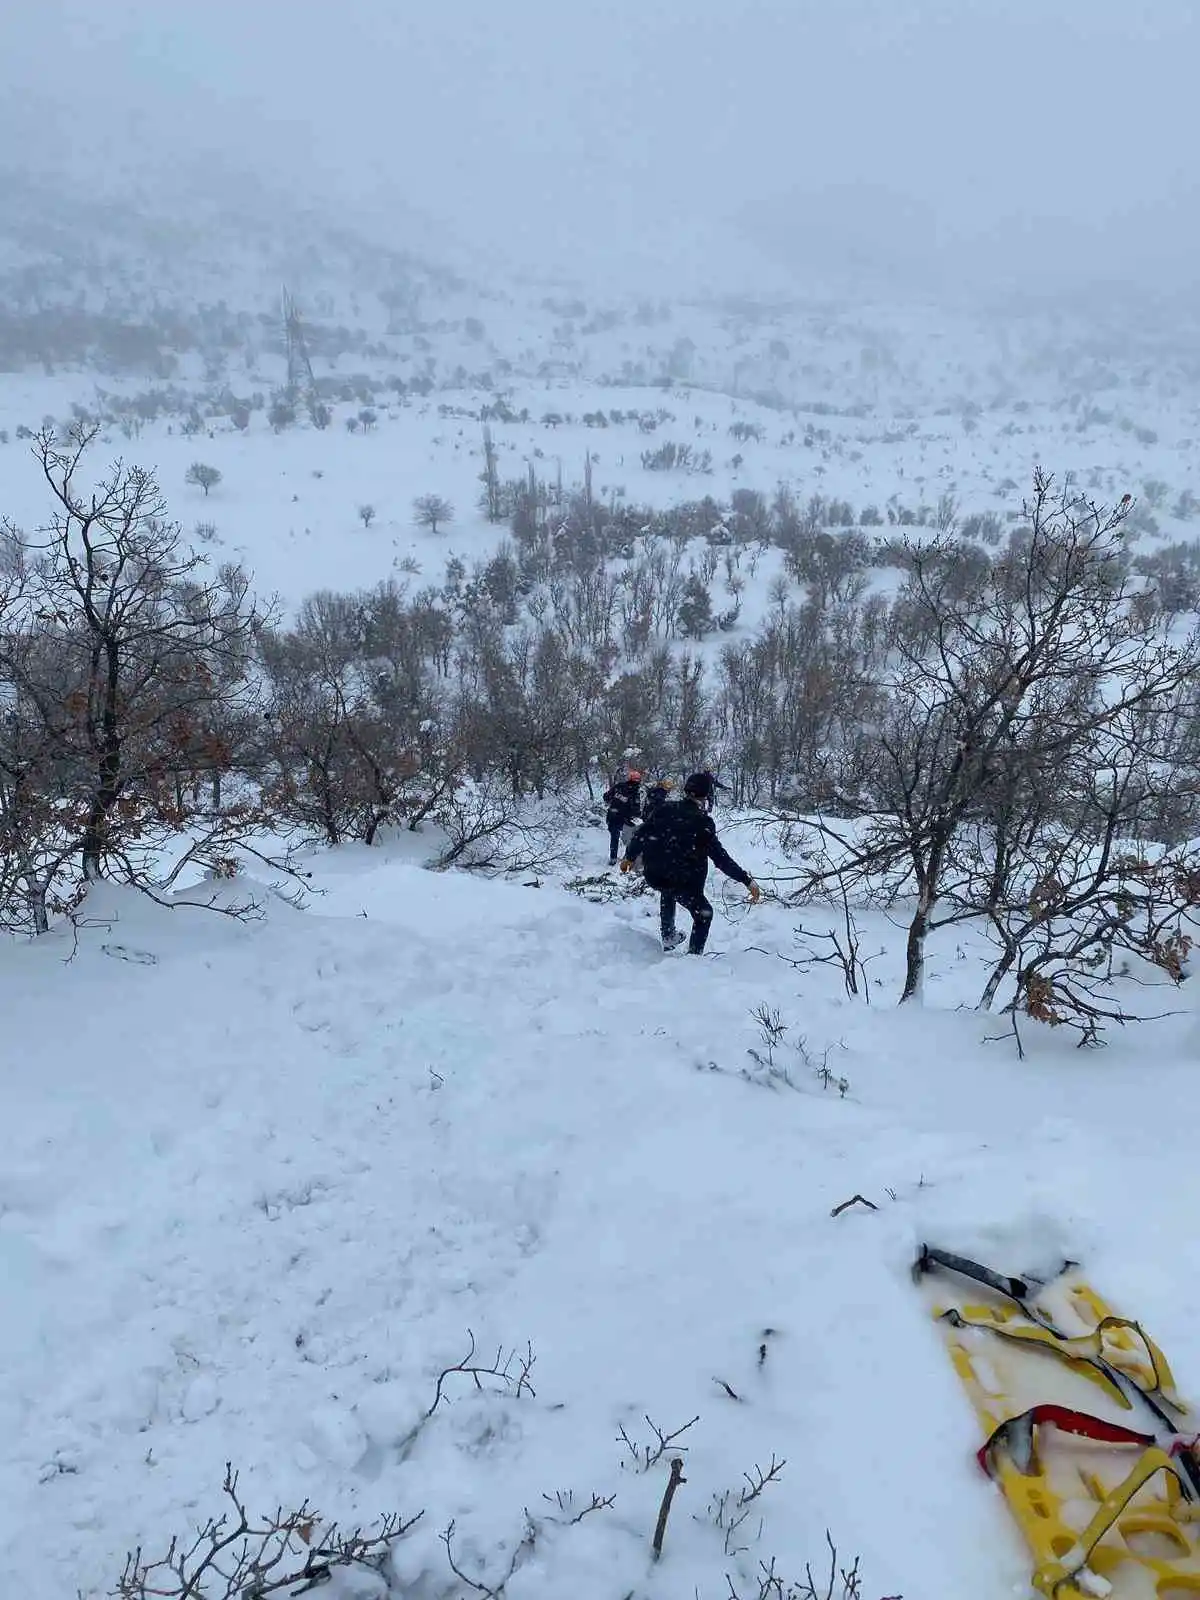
(1036, 141)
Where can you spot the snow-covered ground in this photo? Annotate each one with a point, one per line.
(288, 505)
(260, 1185)
(258, 1182)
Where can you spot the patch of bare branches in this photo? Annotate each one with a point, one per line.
(647, 1454)
(493, 1588)
(842, 1583)
(731, 1509)
(238, 1556)
(507, 1372)
(1034, 739)
(569, 1515)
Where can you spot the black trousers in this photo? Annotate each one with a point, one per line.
(692, 898)
(619, 833)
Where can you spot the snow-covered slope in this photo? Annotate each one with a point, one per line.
(182, 278)
(262, 1184)
(251, 1210)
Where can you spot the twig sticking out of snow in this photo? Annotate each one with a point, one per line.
(773, 1587)
(501, 1367)
(564, 1500)
(854, 1200)
(510, 1371)
(646, 1456)
(664, 1510)
(491, 1591)
(730, 1509)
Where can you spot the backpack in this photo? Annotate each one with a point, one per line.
(669, 847)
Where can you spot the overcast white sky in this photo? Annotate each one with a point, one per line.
(1063, 134)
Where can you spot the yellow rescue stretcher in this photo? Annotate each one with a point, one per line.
(1103, 1478)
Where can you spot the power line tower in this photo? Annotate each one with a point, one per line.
(301, 381)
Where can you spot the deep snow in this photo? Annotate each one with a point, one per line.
(259, 1181)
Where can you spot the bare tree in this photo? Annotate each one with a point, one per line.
(432, 512)
(126, 657)
(1045, 653)
(358, 734)
(202, 477)
(1091, 882)
(493, 496)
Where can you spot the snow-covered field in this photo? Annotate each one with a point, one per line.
(260, 1181)
(288, 505)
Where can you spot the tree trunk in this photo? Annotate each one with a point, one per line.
(914, 955)
(108, 775)
(998, 974)
(37, 908)
(327, 809)
(928, 875)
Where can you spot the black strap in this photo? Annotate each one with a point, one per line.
(1018, 1291)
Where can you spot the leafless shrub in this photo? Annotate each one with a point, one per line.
(491, 1590)
(569, 1514)
(126, 669)
(1003, 699)
(772, 1030)
(731, 1509)
(843, 1583)
(237, 1556)
(646, 1454)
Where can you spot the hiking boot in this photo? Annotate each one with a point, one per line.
(672, 941)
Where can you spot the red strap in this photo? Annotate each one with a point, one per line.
(1067, 1421)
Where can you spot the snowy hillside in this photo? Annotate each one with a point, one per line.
(160, 321)
(168, 283)
(277, 1188)
(294, 1167)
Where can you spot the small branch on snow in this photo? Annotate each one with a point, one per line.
(491, 1591)
(772, 1586)
(511, 1372)
(664, 1510)
(564, 1500)
(854, 1200)
(649, 1455)
(730, 1509)
(501, 1367)
(999, 1038)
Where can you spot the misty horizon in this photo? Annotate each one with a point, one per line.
(929, 147)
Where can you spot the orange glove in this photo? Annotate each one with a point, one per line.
(626, 864)
(755, 892)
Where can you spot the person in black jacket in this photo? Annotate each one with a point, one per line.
(624, 802)
(676, 845)
(655, 795)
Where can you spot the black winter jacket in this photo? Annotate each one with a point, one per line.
(624, 802)
(677, 843)
(655, 796)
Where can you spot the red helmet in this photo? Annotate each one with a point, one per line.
(634, 776)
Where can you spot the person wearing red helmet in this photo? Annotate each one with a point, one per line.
(675, 846)
(624, 802)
